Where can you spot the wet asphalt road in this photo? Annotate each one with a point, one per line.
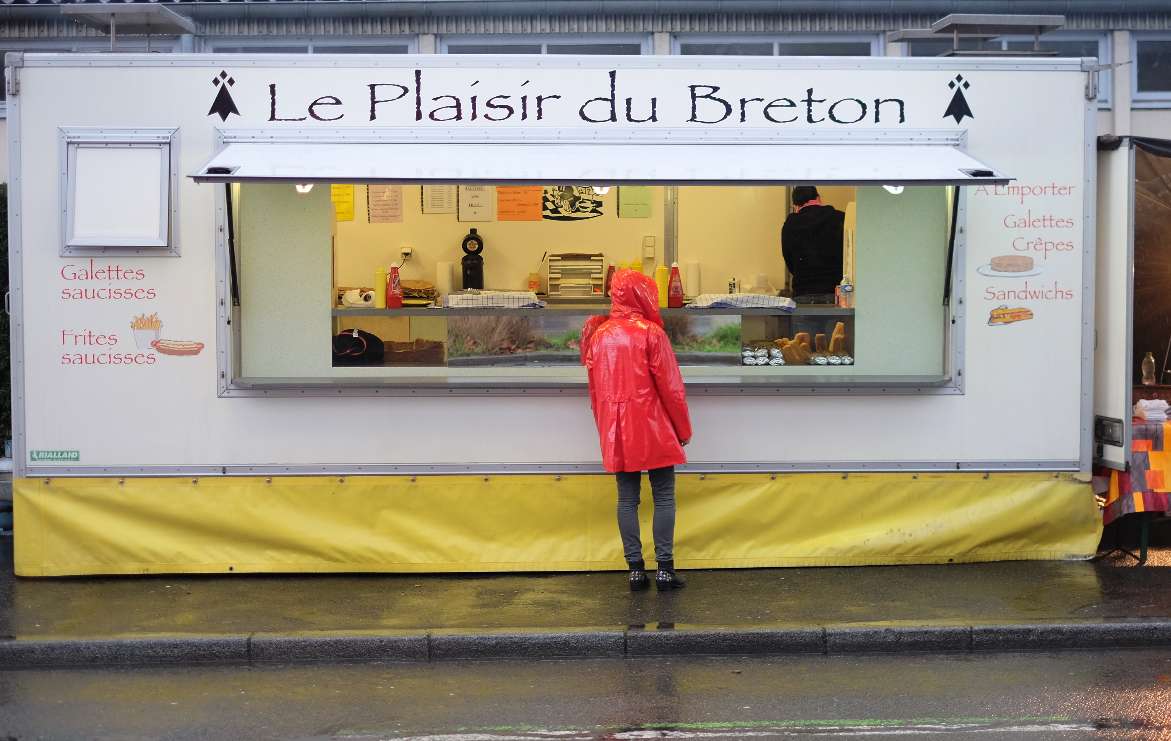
(1119, 694)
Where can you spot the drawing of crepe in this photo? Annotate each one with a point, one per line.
(1010, 266)
(146, 331)
(1005, 315)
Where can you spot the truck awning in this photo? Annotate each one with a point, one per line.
(599, 163)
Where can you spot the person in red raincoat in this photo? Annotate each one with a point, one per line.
(640, 407)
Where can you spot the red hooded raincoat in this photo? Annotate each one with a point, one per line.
(636, 390)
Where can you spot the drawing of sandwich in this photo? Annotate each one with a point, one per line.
(1005, 315)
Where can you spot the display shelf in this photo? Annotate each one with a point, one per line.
(814, 311)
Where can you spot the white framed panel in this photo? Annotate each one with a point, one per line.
(119, 193)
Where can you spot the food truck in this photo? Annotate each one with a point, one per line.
(273, 313)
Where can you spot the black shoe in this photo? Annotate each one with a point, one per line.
(638, 577)
(666, 578)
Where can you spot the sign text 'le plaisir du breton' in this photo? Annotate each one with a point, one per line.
(414, 100)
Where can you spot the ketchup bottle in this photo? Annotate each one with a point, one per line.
(675, 288)
(394, 290)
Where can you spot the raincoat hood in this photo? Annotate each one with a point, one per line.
(634, 294)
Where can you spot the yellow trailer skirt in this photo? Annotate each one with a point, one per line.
(75, 526)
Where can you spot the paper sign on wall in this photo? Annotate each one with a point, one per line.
(518, 202)
(570, 203)
(384, 204)
(634, 202)
(477, 202)
(343, 201)
(439, 199)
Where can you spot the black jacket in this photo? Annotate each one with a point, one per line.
(811, 241)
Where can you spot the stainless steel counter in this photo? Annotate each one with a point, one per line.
(589, 309)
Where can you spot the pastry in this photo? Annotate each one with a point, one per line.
(1011, 263)
(837, 340)
(795, 353)
(819, 343)
(802, 338)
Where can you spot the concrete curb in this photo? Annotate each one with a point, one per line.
(724, 642)
(363, 646)
(50, 652)
(422, 647)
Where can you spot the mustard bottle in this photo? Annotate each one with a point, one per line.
(380, 288)
(662, 280)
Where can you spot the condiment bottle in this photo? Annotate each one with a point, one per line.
(394, 290)
(1148, 367)
(380, 288)
(844, 294)
(662, 278)
(675, 288)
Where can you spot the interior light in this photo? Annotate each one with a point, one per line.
(894, 190)
(304, 187)
(601, 190)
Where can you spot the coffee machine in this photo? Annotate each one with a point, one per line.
(473, 261)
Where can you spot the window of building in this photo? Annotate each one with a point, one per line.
(805, 45)
(1064, 44)
(1152, 70)
(307, 45)
(569, 44)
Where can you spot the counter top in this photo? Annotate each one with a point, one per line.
(589, 309)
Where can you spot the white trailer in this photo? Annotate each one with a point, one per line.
(172, 293)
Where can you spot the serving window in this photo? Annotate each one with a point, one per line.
(309, 265)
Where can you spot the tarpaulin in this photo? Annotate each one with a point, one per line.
(74, 526)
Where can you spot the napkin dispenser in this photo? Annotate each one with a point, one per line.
(357, 298)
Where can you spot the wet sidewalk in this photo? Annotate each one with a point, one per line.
(420, 617)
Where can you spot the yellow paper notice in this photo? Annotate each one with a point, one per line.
(343, 201)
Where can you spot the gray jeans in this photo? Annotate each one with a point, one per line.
(663, 491)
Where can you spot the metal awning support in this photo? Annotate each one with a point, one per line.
(132, 19)
(984, 27)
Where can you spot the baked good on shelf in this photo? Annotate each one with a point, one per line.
(837, 340)
(795, 353)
